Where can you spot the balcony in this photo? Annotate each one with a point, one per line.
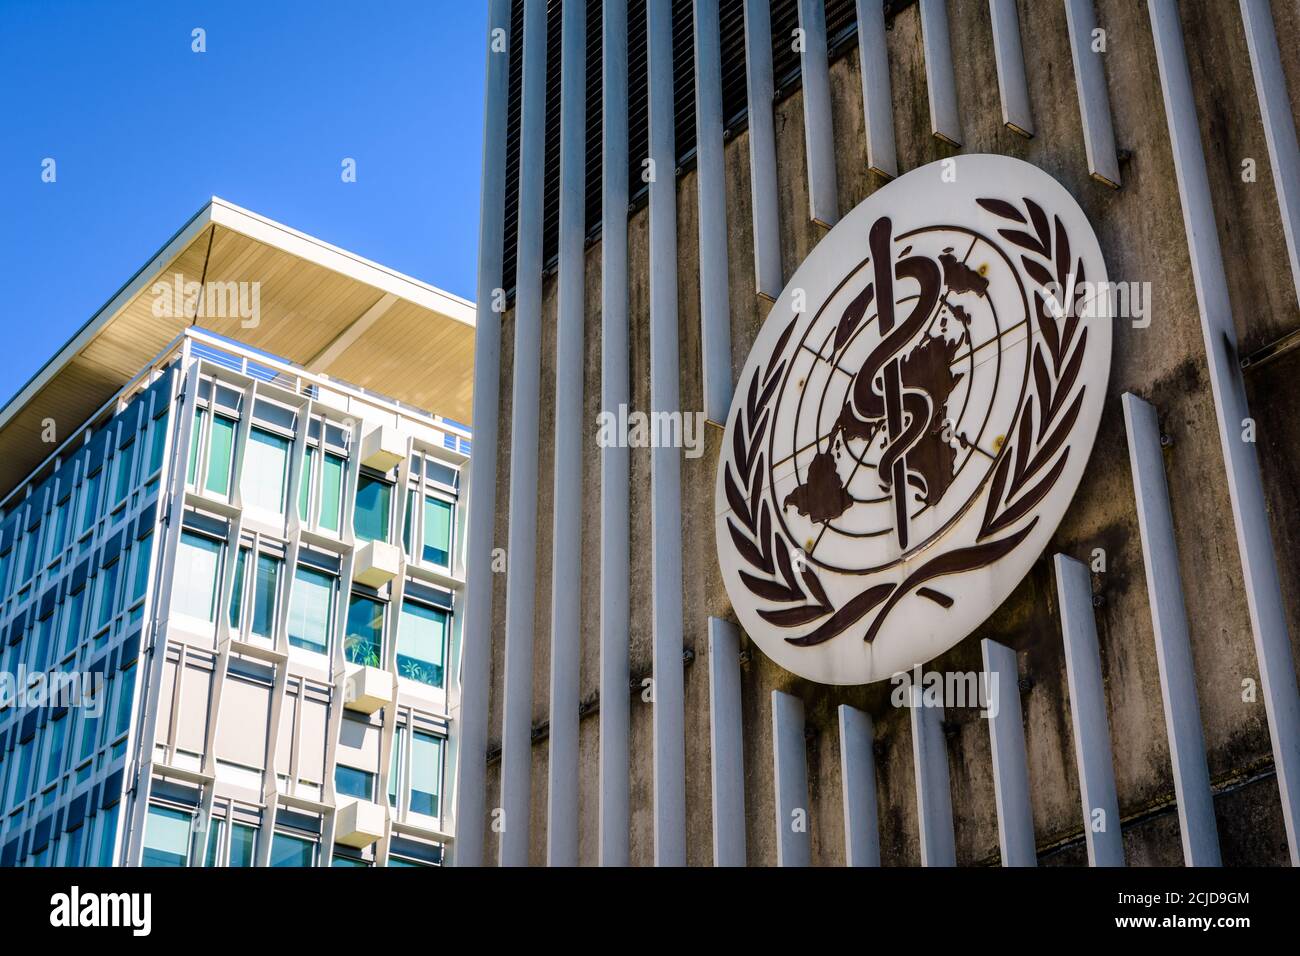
(382, 448)
(359, 823)
(367, 689)
(377, 563)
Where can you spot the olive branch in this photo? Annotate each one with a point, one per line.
(1047, 260)
(752, 530)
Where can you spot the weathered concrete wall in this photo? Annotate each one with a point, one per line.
(1141, 231)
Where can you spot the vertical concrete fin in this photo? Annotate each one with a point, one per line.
(726, 744)
(877, 100)
(933, 790)
(1279, 125)
(818, 128)
(1010, 768)
(566, 560)
(762, 150)
(1088, 715)
(715, 306)
(1012, 87)
(1094, 105)
(614, 462)
(521, 567)
(858, 776)
(1200, 834)
(476, 633)
(665, 463)
(940, 82)
(790, 776)
(1245, 490)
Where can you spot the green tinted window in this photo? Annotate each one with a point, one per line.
(371, 515)
(437, 531)
(166, 837)
(364, 642)
(304, 483)
(311, 610)
(265, 588)
(196, 435)
(331, 491)
(421, 637)
(243, 842)
(219, 452)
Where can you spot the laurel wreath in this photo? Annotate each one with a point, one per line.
(1018, 484)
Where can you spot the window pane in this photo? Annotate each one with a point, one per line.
(243, 843)
(22, 772)
(331, 493)
(412, 500)
(157, 442)
(107, 835)
(265, 465)
(107, 593)
(304, 485)
(59, 530)
(90, 500)
(421, 638)
(426, 771)
(291, 851)
(122, 474)
(371, 516)
(31, 548)
(196, 436)
(237, 590)
(125, 698)
(140, 580)
(364, 641)
(351, 782)
(395, 765)
(348, 861)
(58, 733)
(397, 861)
(89, 731)
(265, 589)
(72, 620)
(215, 830)
(166, 837)
(194, 586)
(72, 847)
(311, 610)
(40, 643)
(223, 439)
(437, 531)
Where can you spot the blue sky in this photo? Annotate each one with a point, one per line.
(143, 130)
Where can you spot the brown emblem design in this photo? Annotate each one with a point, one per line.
(894, 391)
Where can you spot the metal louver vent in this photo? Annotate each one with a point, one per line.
(841, 33)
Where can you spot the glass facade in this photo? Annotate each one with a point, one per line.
(217, 578)
(77, 562)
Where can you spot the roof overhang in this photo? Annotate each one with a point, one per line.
(269, 287)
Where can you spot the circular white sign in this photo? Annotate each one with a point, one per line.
(914, 419)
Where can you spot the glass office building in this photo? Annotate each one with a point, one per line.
(229, 620)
